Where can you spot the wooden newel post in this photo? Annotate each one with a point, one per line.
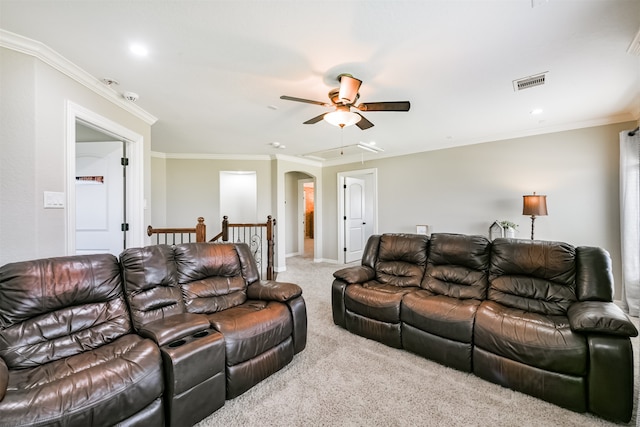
(225, 228)
(201, 230)
(270, 223)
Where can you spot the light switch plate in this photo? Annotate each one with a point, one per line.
(53, 200)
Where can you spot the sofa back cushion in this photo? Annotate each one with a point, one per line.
(210, 276)
(151, 283)
(59, 307)
(401, 259)
(531, 275)
(458, 265)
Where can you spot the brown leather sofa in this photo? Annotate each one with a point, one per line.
(162, 337)
(534, 316)
(68, 355)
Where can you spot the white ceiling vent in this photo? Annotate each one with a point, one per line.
(530, 81)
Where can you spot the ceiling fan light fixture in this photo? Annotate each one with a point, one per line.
(342, 118)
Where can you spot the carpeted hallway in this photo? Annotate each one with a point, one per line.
(341, 379)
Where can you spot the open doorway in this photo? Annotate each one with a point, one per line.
(100, 193)
(129, 232)
(306, 206)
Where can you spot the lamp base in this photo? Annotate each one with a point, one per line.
(533, 218)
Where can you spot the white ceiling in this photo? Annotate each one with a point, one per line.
(216, 69)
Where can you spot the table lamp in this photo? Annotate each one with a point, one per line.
(534, 205)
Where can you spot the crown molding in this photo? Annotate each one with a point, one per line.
(262, 157)
(204, 156)
(52, 58)
(299, 160)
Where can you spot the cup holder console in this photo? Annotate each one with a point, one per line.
(177, 343)
(195, 365)
(182, 341)
(201, 334)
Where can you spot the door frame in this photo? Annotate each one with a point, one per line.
(134, 143)
(341, 209)
(301, 212)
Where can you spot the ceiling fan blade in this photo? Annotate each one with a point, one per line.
(349, 87)
(307, 101)
(385, 106)
(315, 119)
(364, 123)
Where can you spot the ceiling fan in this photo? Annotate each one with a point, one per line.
(343, 99)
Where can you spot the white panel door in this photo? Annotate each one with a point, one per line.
(354, 210)
(99, 198)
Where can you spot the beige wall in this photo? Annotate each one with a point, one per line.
(459, 190)
(464, 189)
(192, 189)
(33, 133)
(159, 192)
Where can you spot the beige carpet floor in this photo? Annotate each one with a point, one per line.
(341, 379)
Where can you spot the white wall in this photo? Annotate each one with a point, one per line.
(33, 152)
(464, 189)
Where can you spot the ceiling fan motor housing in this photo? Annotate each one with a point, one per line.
(349, 87)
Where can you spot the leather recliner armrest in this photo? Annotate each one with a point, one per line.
(600, 317)
(359, 274)
(4, 379)
(172, 328)
(269, 290)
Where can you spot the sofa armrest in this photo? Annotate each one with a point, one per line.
(270, 290)
(359, 274)
(600, 317)
(172, 328)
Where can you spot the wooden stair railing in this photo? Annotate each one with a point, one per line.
(259, 237)
(174, 236)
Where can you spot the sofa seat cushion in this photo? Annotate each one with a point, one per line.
(252, 328)
(376, 300)
(105, 385)
(440, 315)
(542, 341)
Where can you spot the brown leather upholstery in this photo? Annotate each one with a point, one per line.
(262, 334)
(151, 283)
(438, 321)
(69, 355)
(534, 316)
(371, 308)
(65, 337)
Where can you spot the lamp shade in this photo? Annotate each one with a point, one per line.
(534, 204)
(342, 118)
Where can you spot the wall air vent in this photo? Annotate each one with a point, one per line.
(530, 81)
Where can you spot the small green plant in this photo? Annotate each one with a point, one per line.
(508, 224)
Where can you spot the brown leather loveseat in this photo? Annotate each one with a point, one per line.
(162, 337)
(534, 316)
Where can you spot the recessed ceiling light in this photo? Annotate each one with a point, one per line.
(139, 49)
(536, 111)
